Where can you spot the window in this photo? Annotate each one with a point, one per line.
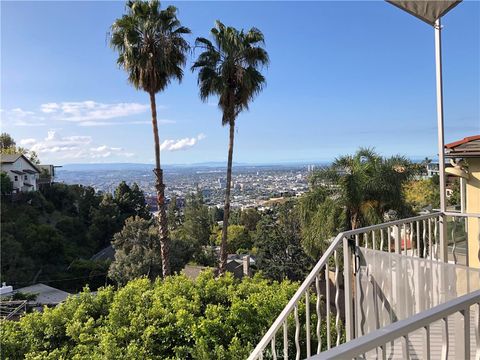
(16, 178)
(25, 177)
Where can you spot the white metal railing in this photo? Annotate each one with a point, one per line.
(380, 340)
(330, 298)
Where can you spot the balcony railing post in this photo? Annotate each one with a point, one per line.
(443, 238)
(348, 270)
(398, 240)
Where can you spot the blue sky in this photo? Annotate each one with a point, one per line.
(342, 75)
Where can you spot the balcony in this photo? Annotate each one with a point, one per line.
(398, 290)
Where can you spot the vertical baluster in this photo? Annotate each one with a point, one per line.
(454, 228)
(436, 236)
(285, 339)
(430, 248)
(382, 240)
(445, 343)
(466, 331)
(327, 303)
(365, 239)
(477, 331)
(383, 349)
(426, 343)
(406, 347)
(389, 239)
(398, 240)
(348, 298)
(260, 356)
(404, 227)
(424, 239)
(374, 242)
(337, 297)
(274, 350)
(319, 316)
(418, 238)
(297, 333)
(307, 321)
(357, 289)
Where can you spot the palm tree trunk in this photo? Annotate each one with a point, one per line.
(160, 187)
(226, 211)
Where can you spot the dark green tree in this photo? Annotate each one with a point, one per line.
(131, 201)
(106, 222)
(136, 252)
(6, 184)
(173, 214)
(279, 251)
(249, 218)
(6, 141)
(152, 50)
(229, 67)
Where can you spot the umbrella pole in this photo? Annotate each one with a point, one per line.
(441, 141)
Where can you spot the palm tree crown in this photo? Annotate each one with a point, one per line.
(229, 68)
(367, 184)
(150, 44)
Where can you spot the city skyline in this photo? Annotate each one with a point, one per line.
(64, 97)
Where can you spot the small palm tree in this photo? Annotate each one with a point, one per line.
(230, 69)
(152, 50)
(367, 185)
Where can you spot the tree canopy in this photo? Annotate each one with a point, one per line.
(175, 318)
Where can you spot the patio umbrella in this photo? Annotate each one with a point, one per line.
(431, 11)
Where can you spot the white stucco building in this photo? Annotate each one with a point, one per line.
(21, 171)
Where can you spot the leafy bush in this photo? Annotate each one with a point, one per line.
(176, 318)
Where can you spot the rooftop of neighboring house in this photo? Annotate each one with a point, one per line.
(467, 147)
(12, 158)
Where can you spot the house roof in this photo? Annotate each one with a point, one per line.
(11, 158)
(45, 294)
(467, 147)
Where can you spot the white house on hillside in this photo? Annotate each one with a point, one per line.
(21, 171)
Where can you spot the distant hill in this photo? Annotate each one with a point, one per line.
(140, 166)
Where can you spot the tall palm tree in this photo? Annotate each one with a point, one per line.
(230, 69)
(152, 50)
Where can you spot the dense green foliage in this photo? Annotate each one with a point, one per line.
(6, 185)
(355, 191)
(278, 245)
(49, 235)
(176, 318)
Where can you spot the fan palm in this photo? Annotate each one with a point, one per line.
(152, 50)
(229, 67)
(367, 185)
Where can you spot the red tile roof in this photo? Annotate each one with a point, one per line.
(463, 141)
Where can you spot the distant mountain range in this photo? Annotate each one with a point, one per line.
(140, 166)
(211, 164)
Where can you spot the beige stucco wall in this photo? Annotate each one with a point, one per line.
(473, 206)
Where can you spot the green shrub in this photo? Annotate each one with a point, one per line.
(176, 318)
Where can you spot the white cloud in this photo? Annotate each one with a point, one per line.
(89, 110)
(20, 117)
(27, 142)
(181, 144)
(49, 107)
(82, 113)
(72, 147)
(115, 123)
